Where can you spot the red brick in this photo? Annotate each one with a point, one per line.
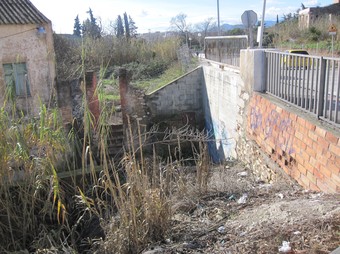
(310, 126)
(308, 166)
(311, 152)
(299, 158)
(313, 135)
(313, 161)
(320, 132)
(299, 135)
(324, 144)
(305, 132)
(325, 171)
(309, 142)
(336, 179)
(333, 167)
(305, 156)
(302, 169)
(337, 160)
(278, 109)
(332, 186)
(323, 160)
(298, 145)
(305, 181)
(311, 177)
(295, 174)
(313, 187)
(322, 186)
(301, 121)
(331, 138)
(293, 117)
(318, 175)
(335, 149)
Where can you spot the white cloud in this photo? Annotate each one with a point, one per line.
(309, 3)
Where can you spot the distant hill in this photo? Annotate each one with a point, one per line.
(227, 27)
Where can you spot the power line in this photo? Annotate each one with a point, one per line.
(17, 33)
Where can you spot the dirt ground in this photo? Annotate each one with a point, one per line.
(238, 213)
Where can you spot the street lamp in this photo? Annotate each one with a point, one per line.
(199, 39)
(190, 41)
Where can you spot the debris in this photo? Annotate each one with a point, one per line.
(243, 199)
(243, 233)
(280, 195)
(285, 248)
(297, 233)
(243, 174)
(232, 197)
(221, 230)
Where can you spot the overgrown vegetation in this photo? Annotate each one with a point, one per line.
(287, 34)
(62, 192)
(128, 201)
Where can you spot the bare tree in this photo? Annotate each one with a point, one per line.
(179, 23)
(204, 26)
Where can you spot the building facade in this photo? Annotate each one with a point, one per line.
(308, 16)
(27, 59)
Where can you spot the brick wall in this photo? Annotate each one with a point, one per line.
(307, 151)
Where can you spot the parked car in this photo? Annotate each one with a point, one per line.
(294, 59)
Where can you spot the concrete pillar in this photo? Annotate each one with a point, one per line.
(253, 69)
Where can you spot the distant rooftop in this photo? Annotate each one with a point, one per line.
(20, 12)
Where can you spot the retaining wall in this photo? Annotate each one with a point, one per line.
(304, 149)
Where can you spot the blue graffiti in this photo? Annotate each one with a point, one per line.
(274, 122)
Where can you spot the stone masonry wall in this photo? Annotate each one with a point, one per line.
(305, 150)
(183, 94)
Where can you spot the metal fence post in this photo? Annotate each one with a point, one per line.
(321, 88)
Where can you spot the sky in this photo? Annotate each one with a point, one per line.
(155, 15)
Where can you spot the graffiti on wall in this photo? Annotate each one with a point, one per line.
(274, 127)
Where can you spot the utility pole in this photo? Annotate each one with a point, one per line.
(218, 17)
(262, 23)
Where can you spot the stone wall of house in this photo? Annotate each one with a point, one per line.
(23, 44)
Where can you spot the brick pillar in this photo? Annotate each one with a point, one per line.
(123, 90)
(92, 97)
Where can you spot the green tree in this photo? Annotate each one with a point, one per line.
(90, 26)
(132, 27)
(77, 27)
(236, 31)
(119, 29)
(126, 25)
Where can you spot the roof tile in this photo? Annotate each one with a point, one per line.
(20, 12)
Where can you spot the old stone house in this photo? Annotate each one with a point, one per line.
(27, 66)
(308, 16)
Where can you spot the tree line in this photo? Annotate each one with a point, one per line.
(123, 27)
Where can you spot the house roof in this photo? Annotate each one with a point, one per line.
(20, 12)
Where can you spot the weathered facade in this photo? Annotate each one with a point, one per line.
(27, 66)
(308, 16)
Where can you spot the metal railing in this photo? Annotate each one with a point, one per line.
(225, 49)
(309, 82)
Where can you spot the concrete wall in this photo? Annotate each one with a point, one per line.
(224, 98)
(182, 95)
(21, 43)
